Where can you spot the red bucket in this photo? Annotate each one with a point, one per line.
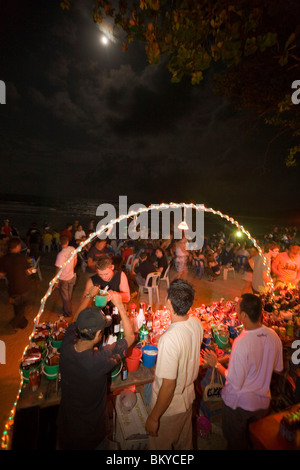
(133, 359)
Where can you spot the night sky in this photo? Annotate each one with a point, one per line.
(86, 120)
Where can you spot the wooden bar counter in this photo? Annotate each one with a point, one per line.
(265, 434)
(49, 393)
(36, 412)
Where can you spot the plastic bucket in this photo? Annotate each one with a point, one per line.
(133, 359)
(149, 355)
(100, 300)
(55, 344)
(221, 340)
(50, 371)
(25, 372)
(114, 373)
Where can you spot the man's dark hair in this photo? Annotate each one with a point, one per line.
(181, 295)
(64, 240)
(13, 243)
(252, 305)
(143, 255)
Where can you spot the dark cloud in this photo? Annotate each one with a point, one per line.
(84, 119)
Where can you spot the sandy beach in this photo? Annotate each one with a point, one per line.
(206, 293)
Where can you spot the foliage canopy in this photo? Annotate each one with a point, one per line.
(256, 43)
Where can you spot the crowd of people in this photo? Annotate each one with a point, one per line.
(121, 267)
(134, 260)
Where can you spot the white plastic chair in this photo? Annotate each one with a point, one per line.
(226, 270)
(129, 262)
(153, 288)
(166, 276)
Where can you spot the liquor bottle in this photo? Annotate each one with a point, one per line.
(149, 319)
(124, 371)
(116, 320)
(143, 332)
(121, 332)
(141, 316)
(109, 329)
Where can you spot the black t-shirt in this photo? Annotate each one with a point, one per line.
(113, 284)
(14, 266)
(96, 254)
(145, 268)
(162, 263)
(34, 235)
(81, 421)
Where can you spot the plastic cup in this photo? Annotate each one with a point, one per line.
(100, 300)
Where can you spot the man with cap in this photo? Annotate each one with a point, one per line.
(84, 366)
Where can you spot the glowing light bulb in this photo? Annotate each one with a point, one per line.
(183, 225)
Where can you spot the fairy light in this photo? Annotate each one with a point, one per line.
(5, 436)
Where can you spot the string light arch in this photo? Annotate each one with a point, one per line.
(107, 228)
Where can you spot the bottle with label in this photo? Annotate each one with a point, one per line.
(116, 320)
(121, 332)
(124, 371)
(149, 319)
(143, 332)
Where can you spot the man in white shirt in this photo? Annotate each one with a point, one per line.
(68, 277)
(169, 423)
(256, 353)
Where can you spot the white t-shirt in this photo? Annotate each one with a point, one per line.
(255, 355)
(68, 271)
(178, 358)
(79, 234)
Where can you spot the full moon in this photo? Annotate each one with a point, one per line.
(104, 40)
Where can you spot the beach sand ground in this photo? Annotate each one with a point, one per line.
(206, 293)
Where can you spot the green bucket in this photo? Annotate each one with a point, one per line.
(50, 371)
(114, 374)
(221, 341)
(25, 372)
(55, 344)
